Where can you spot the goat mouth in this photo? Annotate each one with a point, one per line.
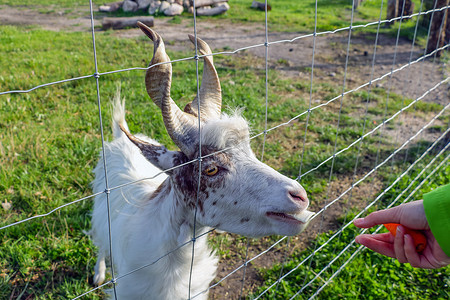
(298, 218)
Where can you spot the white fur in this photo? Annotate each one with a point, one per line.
(145, 227)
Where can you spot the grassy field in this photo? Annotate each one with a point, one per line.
(50, 140)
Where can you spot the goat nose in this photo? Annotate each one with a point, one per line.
(299, 195)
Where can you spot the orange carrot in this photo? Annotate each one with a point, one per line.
(420, 241)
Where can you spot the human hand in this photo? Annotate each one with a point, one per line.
(401, 247)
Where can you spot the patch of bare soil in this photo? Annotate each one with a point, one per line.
(293, 59)
(74, 20)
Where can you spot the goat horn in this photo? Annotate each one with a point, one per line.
(182, 127)
(210, 91)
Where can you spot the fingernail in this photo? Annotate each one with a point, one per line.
(358, 221)
(407, 236)
(400, 229)
(357, 240)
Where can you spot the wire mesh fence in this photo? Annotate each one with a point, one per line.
(379, 118)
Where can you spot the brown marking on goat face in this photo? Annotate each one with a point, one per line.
(186, 179)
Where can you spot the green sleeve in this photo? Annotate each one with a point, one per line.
(437, 211)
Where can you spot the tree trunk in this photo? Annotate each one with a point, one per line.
(439, 28)
(394, 9)
(356, 3)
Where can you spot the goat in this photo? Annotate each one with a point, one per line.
(150, 218)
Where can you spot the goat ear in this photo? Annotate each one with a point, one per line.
(156, 154)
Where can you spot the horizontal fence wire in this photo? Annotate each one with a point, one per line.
(108, 189)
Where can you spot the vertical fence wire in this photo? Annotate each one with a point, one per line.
(107, 190)
(341, 102)
(199, 153)
(311, 80)
(266, 104)
(394, 61)
(409, 62)
(366, 111)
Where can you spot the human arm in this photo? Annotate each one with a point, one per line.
(437, 211)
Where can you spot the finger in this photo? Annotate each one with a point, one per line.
(380, 237)
(380, 243)
(390, 215)
(410, 252)
(399, 245)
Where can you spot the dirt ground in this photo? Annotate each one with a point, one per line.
(293, 59)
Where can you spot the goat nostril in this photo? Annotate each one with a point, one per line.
(299, 196)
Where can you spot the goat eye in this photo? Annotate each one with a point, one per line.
(212, 170)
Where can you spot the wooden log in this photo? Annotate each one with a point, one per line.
(121, 23)
(213, 11)
(201, 3)
(260, 5)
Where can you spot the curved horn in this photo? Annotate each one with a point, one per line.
(182, 127)
(210, 91)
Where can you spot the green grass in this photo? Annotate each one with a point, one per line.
(50, 140)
